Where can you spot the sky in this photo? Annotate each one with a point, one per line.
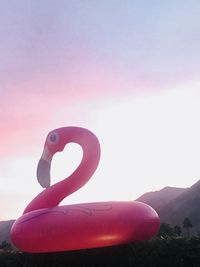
(126, 70)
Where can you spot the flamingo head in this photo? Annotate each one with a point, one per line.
(55, 142)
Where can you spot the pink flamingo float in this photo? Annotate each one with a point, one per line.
(47, 227)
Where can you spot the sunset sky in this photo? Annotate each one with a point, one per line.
(126, 70)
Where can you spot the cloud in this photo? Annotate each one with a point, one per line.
(71, 45)
(63, 61)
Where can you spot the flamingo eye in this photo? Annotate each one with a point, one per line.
(53, 138)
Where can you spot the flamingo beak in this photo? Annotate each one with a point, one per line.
(43, 169)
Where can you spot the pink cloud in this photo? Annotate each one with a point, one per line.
(29, 108)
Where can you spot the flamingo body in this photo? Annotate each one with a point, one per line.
(82, 226)
(47, 227)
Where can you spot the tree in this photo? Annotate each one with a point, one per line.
(5, 246)
(198, 234)
(187, 225)
(166, 230)
(177, 230)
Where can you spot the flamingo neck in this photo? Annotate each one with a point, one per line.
(53, 195)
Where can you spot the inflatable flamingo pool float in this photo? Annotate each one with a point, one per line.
(47, 227)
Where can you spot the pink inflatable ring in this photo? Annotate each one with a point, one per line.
(47, 227)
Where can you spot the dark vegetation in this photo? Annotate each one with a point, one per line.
(169, 249)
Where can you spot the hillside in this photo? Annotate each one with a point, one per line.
(175, 204)
(5, 227)
(159, 199)
(186, 204)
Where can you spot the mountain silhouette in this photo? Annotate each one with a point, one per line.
(5, 227)
(175, 204)
(159, 199)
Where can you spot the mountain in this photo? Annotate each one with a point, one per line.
(5, 227)
(159, 199)
(175, 204)
(185, 205)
